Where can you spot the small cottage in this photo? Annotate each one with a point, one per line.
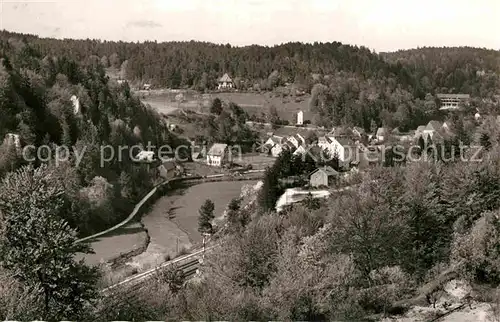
(218, 155)
(323, 177)
(167, 170)
(225, 82)
(381, 134)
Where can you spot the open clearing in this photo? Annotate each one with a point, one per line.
(256, 104)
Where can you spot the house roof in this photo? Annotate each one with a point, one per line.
(168, 165)
(218, 149)
(345, 141)
(145, 153)
(329, 171)
(421, 128)
(297, 137)
(460, 96)
(276, 139)
(226, 78)
(434, 126)
(358, 129)
(341, 131)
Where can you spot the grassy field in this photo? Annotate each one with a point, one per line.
(121, 241)
(257, 104)
(258, 162)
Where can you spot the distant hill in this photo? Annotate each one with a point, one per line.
(198, 65)
(468, 70)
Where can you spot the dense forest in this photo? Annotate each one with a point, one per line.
(349, 85)
(35, 102)
(347, 257)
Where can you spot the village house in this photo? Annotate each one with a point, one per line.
(218, 155)
(167, 170)
(274, 139)
(12, 139)
(358, 131)
(280, 147)
(433, 130)
(297, 140)
(145, 156)
(301, 150)
(323, 177)
(343, 147)
(382, 134)
(225, 82)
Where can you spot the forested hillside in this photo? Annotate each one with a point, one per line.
(35, 103)
(349, 84)
(468, 70)
(198, 64)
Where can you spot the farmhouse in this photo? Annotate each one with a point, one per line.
(218, 155)
(323, 177)
(225, 82)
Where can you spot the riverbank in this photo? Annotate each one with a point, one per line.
(172, 223)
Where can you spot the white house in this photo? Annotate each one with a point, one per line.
(145, 156)
(273, 140)
(343, 147)
(280, 147)
(297, 140)
(76, 104)
(301, 150)
(477, 116)
(381, 134)
(13, 139)
(225, 82)
(300, 118)
(218, 155)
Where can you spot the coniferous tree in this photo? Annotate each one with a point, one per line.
(206, 215)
